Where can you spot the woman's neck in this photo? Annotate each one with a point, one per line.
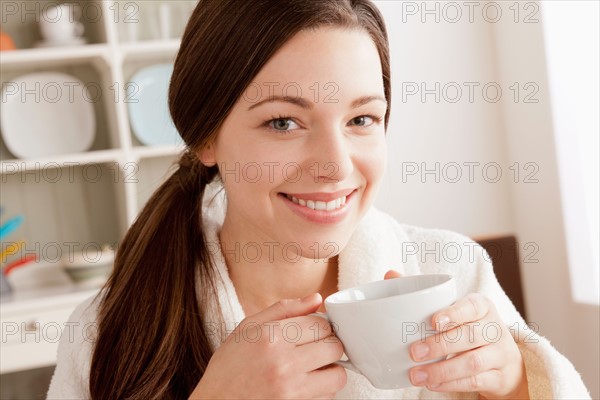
(261, 281)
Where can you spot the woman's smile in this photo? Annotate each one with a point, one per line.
(320, 207)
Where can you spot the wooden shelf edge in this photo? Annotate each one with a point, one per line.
(68, 160)
(67, 53)
(47, 297)
(140, 152)
(149, 47)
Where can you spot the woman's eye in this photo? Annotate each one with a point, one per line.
(287, 125)
(282, 124)
(365, 120)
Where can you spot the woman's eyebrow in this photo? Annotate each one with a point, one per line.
(308, 105)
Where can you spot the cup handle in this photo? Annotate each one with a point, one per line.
(346, 364)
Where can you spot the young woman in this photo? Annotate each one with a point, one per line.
(284, 107)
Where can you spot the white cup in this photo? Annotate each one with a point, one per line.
(377, 322)
(58, 23)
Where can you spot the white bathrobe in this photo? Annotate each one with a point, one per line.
(378, 244)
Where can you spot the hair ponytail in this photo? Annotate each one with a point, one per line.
(151, 339)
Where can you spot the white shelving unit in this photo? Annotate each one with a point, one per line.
(101, 191)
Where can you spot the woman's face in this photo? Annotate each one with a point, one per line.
(310, 125)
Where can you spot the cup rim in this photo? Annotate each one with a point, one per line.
(447, 279)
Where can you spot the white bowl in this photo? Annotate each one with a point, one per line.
(83, 267)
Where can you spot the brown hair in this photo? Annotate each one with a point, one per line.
(151, 340)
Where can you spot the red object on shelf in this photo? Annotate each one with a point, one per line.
(19, 263)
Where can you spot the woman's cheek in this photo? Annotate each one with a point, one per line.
(375, 161)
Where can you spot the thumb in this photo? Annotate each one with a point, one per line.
(391, 274)
(287, 308)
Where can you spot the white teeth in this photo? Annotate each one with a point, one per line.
(319, 205)
(331, 205)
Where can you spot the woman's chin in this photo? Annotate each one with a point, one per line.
(318, 247)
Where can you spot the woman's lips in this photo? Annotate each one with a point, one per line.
(320, 211)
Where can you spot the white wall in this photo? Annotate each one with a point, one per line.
(429, 132)
(505, 132)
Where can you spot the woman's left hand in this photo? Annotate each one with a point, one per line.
(487, 361)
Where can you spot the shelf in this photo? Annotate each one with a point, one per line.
(150, 48)
(74, 200)
(54, 55)
(18, 165)
(66, 209)
(51, 296)
(31, 317)
(21, 20)
(96, 88)
(156, 151)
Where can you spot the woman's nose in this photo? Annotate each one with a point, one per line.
(331, 156)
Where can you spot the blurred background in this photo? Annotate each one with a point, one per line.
(493, 133)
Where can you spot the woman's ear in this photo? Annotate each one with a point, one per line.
(207, 155)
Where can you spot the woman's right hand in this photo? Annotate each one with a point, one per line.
(280, 352)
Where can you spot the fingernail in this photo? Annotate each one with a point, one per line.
(419, 376)
(309, 298)
(442, 320)
(420, 350)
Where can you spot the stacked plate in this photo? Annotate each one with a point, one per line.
(147, 101)
(45, 114)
